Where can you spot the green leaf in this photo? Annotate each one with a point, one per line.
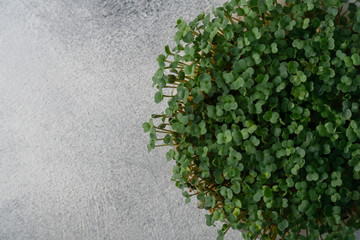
(250, 36)
(283, 70)
(228, 136)
(228, 77)
(183, 118)
(340, 55)
(304, 206)
(267, 192)
(256, 57)
(229, 193)
(305, 23)
(356, 27)
(336, 182)
(190, 51)
(292, 67)
(220, 235)
(229, 35)
(244, 133)
(170, 154)
(237, 84)
(190, 69)
(335, 197)
(284, 203)
(313, 195)
(356, 59)
(167, 50)
(346, 115)
(280, 87)
(313, 176)
(202, 126)
(188, 38)
(255, 141)
(256, 32)
(297, 43)
(238, 203)
(274, 117)
(198, 96)
(280, 34)
(209, 201)
(228, 106)
(283, 225)
(151, 145)
(274, 48)
(220, 138)
(146, 126)
(161, 58)
(332, 11)
(351, 135)
(300, 92)
(205, 82)
(348, 61)
(329, 127)
(209, 221)
(240, 66)
(236, 188)
(289, 182)
(232, 218)
(346, 80)
(355, 195)
(258, 195)
(327, 149)
(232, 161)
(158, 97)
(311, 210)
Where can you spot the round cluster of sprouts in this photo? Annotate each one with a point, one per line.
(263, 117)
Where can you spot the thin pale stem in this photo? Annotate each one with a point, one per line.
(162, 132)
(181, 63)
(161, 129)
(227, 229)
(194, 194)
(161, 115)
(162, 145)
(194, 33)
(229, 17)
(237, 20)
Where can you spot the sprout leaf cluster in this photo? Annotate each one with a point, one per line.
(263, 117)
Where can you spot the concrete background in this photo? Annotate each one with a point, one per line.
(75, 87)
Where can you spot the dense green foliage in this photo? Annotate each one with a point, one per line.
(263, 116)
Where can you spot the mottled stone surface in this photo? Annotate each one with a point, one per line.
(75, 87)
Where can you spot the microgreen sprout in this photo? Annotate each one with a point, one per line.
(263, 118)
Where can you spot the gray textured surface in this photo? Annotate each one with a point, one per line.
(75, 87)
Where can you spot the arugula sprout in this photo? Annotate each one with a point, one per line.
(263, 117)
